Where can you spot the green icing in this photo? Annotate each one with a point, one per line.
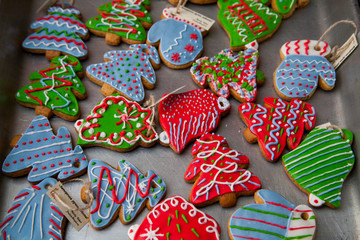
(55, 93)
(123, 19)
(321, 163)
(247, 20)
(118, 123)
(284, 6)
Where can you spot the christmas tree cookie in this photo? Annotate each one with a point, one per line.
(33, 215)
(121, 20)
(218, 173)
(303, 68)
(175, 218)
(272, 217)
(227, 73)
(59, 32)
(117, 124)
(186, 116)
(55, 89)
(41, 154)
(246, 21)
(320, 164)
(287, 7)
(126, 72)
(276, 124)
(121, 193)
(180, 43)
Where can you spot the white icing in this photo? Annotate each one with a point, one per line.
(250, 45)
(164, 138)
(132, 230)
(301, 226)
(223, 103)
(293, 49)
(313, 199)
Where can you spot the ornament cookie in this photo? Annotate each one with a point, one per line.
(276, 124)
(227, 73)
(58, 33)
(218, 173)
(121, 20)
(42, 154)
(320, 164)
(287, 8)
(55, 89)
(126, 71)
(180, 44)
(186, 116)
(302, 69)
(175, 218)
(246, 21)
(33, 215)
(272, 217)
(121, 193)
(168, 13)
(117, 124)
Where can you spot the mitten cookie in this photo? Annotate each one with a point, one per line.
(126, 72)
(246, 21)
(273, 217)
(33, 215)
(277, 124)
(121, 20)
(117, 124)
(218, 173)
(180, 44)
(187, 116)
(55, 89)
(227, 73)
(320, 164)
(175, 218)
(41, 154)
(287, 8)
(121, 193)
(302, 69)
(59, 32)
(169, 13)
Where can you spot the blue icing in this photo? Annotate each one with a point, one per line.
(69, 9)
(46, 154)
(298, 75)
(180, 43)
(33, 215)
(113, 191)
(126, 69)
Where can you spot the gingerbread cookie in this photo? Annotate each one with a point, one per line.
(33, 215)
(228, 74)
(180, 43)
(121, 20)
(320, 164)
(303, 68)
(287, 8)
(277, 124)
(272, 217)
(121, 193)
(187, 116)
(55, 89)
(58, 33)
(41, 154)
(218, 173)
(127, 71)
(169, 13)
(175, 218)
(246, 21)
(117, 124)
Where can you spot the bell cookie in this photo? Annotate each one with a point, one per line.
(287, 8)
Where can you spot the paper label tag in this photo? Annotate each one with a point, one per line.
(323, 126)
(193, 17)
(351, 44)
(76, 217)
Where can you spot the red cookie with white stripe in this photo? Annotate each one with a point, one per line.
(175, 218)
(187, 116)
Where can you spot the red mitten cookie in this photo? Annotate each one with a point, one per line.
(187, 116)
(277, 124)
(175, 218)
(217, 173)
